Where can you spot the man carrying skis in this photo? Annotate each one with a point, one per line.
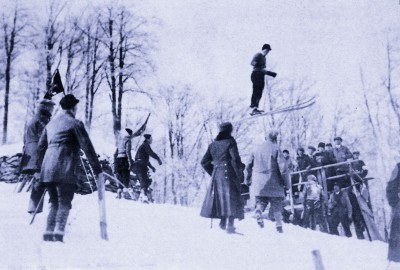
(58, 157)
(257, 77)
(142, 165)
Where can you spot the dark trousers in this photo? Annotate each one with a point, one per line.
(336, 218)
(36, 195)
(142, 173)
(122, 171)
(313, 215)
(258, 80)
(61, 196)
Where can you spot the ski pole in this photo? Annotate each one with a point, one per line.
(37, 207)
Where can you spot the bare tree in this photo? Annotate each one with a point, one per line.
(128, 45)
(12, 33)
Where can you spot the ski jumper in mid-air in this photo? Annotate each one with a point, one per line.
(257, 77)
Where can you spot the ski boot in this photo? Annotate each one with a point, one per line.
(279, 229)
(256, 111)
(231, 228)
(222, 223)
(48, 237)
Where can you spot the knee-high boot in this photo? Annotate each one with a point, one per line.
(61, 221)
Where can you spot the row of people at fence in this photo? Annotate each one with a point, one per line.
(342, 208)
(324, 154)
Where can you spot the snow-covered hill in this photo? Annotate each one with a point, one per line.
(167, 237)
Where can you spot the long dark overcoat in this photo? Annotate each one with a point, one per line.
(223, 163)
(31, 138)
(393, 193)
(59, 148)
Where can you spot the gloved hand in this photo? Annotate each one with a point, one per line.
(159, 162)
(272, 74)
(153, 169)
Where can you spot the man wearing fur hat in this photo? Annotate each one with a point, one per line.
(123, 162)
(58, 157)
(257, 77)
(32, 134)
(142, 164)
(268, 176)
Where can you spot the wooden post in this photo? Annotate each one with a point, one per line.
(317, 260)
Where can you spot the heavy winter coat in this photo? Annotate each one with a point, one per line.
(59, 149)
(342, 153)
(31, 139)
(223, 163)
(393, 194)
(268, 171)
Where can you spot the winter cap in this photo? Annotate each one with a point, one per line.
(68, 102)
(338, 139)
(147, 136)
(225, 127)
(312, 148)
(46, 105)
(266, 46)
(285, 151)
(129, 131)
(300, 149)
(321, 144)
(356, 152)
(328, 144)
(312, 178)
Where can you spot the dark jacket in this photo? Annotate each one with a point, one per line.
(143, 155)
(303, 162)
(322, 158)
(258, 62)
(31, 139)
(392, 194)
(223, 163)
(59, 149)
(340, 203)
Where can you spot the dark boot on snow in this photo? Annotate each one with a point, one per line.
(259, 218)
(222, 223)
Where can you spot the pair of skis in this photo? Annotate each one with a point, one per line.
(301, 105)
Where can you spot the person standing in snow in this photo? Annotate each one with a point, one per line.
(268, 176)
(142, 165)
(222, 162)
(340, 211)
(257, 77)
(313, 213)
(58, 158)
(393, 197)
(123, 162)
(29, 159)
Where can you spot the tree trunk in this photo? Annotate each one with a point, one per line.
(6, 98)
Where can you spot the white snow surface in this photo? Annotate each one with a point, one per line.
(151, 236)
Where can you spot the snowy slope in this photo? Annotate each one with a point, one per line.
(167, 237)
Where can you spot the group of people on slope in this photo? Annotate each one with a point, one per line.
(52, 154)
(124, 164)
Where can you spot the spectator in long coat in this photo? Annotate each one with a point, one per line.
(59, 150)
(342, 153)
(393, 196)
(32, 135)
(268, 175)
(222, 161)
